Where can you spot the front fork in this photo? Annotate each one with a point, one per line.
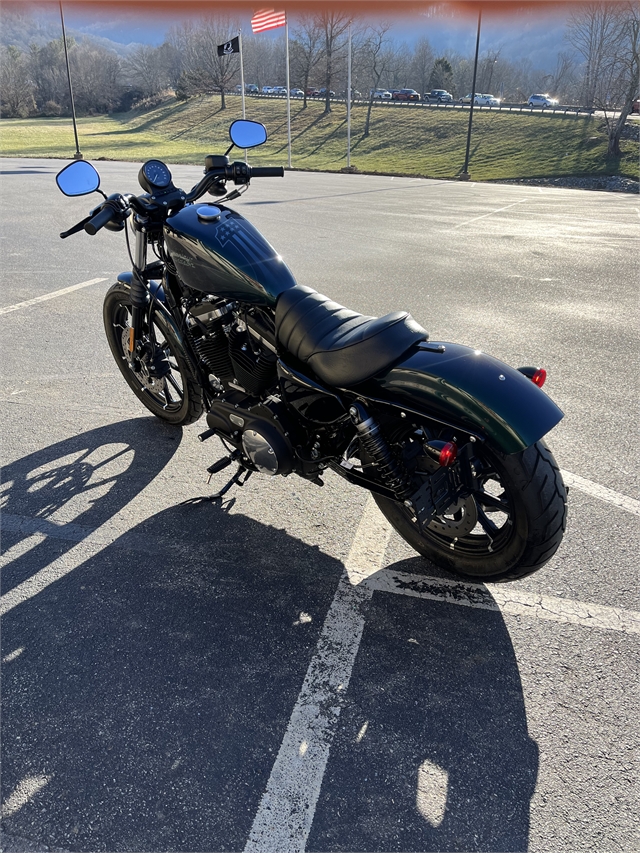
(139, 292)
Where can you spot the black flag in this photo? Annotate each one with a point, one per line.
(228, 47)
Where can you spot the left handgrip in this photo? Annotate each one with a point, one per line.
(99, 220)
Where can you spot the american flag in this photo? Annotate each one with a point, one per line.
(267, 19)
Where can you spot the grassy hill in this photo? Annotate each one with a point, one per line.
(402, 141)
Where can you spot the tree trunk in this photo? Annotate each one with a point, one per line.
(368, 120)
(615, 131)
(223, 104)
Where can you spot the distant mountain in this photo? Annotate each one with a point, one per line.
(23, 29)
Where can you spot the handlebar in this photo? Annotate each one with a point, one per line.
(267, 171)
(104, 215)
(117, 207)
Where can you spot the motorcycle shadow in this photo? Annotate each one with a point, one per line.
(149, 688)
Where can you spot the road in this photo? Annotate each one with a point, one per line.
(284, 673)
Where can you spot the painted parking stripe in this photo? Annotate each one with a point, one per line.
(601, 492)
(492, 213)
(287, 807)
(508, 601)
(45, 297)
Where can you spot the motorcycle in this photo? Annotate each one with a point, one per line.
(210, 320)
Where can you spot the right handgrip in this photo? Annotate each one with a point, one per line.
(267, 171)
(99, 220)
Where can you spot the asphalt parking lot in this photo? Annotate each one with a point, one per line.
(283, 673)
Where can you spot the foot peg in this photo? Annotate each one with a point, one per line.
(220, 465)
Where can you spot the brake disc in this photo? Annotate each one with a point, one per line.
(459, 519)
(154, 384)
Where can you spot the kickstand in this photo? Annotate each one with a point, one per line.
(234, 481)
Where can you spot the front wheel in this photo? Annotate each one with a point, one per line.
(160, 375)
(508, 528)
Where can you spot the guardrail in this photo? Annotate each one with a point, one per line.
(452, 105)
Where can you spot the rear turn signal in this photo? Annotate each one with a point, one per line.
(537, 375)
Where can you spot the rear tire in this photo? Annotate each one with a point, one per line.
(528, 531)
(175, 396)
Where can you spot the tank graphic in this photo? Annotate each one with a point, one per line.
(226, 256)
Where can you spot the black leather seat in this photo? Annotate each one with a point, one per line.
(342, 347)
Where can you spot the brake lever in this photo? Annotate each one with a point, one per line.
(75, 228)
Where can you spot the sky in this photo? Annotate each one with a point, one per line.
(535, 34)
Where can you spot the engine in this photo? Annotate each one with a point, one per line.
(233, 349)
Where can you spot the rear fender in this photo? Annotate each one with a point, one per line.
(469, 389)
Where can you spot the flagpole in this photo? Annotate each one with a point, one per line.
(349, 101)
(241, 68)
(286, 39)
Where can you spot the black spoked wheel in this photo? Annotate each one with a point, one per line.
(160, 376)
(508, 527)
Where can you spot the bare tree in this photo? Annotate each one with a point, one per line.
(96, 75)
(421, 64)
(204, 72)
(592, 31)
(147, 67)
(334, 26)
(306, 51)
(15, 85)
(380, 55)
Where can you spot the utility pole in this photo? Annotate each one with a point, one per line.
(78, 154)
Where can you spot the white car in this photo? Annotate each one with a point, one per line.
(383, 94)
(542, 101)
(486, 101)
(267, 90)
(296, 93)
(279, 90)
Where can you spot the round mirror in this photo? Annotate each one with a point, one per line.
(247, 134)
(78, 178)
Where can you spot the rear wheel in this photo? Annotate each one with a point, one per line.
(160, 375)
(510, 526)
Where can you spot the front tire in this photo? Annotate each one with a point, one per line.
(164, 381)
(509, 528)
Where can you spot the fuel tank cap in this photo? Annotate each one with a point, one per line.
(210, 213)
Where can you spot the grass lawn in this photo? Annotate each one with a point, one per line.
(402, 141)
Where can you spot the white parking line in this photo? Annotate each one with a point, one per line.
(508, 601)
(601, 492)
(287, 807)
(47, 296)
(492, 213)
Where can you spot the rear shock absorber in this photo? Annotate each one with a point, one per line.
(393, 472)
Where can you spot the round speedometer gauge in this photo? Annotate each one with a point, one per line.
(154, 175)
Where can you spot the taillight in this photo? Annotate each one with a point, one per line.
(537, 375)
(448, 454)
(444, 452)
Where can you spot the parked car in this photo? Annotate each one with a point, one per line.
(406, 95)
(382, 94)
(322, 93)
(251, 89)
(267, 90)
(635, 106)
(296, 93)
(542, 101)
(487, 101)
(279, 90)
(313, 92)
(467, 99)
(441, 96)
